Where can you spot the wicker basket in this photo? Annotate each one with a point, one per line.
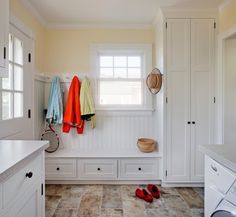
(146, 145)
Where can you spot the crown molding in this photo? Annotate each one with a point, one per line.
(224, 5)
(34, 12)
(100, 26)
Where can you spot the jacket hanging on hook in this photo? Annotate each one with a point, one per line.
(72, 115)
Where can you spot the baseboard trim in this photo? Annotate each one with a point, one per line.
(102, 182)
(186, 184)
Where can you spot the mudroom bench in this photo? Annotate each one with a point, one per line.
(126, 166)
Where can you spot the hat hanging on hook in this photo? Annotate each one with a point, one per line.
(154, 81)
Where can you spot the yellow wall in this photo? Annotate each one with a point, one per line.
(69, 50)
(18, 10)
(228, 17)
(63, 51)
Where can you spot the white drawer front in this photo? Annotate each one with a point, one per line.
(19, 182)
(97, 169)
(139, 168)
(217, 175)
(60, 168)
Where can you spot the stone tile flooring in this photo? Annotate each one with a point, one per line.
(120, 201)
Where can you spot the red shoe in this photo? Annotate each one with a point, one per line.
(153, 189)
(143, 194)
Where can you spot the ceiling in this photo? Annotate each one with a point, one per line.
(84, 12)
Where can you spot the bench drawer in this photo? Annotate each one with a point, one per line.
(142, 169)
(97, 169)
(60, 169)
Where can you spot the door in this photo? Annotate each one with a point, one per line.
(3, 36)
(16, 90)
(178, 100)
(202, 91)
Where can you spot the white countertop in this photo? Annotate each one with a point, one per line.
(75, 153)
(224, 154)
(13, 152)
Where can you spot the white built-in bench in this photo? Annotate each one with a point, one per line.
(74, 166)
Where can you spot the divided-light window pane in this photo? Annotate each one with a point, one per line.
(18, 51)
(7, 83)
(7, 105)
(18, 105)
(106, 61)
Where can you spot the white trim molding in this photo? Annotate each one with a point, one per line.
(225, 4)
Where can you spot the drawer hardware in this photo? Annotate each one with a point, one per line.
(189, 122)
(193, 122)
(214, 168)
(29, 175)
(99, 169)
(58, 168)
(139, 168)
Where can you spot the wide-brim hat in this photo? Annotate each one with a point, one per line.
(154, 81)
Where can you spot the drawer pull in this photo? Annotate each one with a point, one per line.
(29, 175)
(99, 169)
(214, 168)
(139, 168)
(58, 168)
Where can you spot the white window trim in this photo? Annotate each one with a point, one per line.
(143, 49)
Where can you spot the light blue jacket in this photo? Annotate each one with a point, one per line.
(55, 105)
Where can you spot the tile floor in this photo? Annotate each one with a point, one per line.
(120, 201)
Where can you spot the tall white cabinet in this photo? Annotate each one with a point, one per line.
(189, 96)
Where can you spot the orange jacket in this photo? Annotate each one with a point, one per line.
(72, 115)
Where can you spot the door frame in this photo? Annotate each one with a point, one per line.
(14, 22)
(220, 83)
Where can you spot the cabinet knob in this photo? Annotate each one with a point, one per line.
(214, 168)
(99, 169)
(139, 168)
(29, 175)
(58, 168)
(189, 122)
(193, 122)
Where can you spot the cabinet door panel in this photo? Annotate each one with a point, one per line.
(178, 93)
(202, 66)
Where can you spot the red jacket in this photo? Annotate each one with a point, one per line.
(72, 115)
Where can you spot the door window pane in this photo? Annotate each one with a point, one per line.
(7, 83)
(18, 105)
(18, 51)
(10, 53)
(7, 105)
(18, 78)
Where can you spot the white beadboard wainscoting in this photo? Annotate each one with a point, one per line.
(118, 131)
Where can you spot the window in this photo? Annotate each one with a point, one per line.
(121, 72)
(12, 86)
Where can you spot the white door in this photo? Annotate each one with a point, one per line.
(3, 33)
(202, 98)
(16, 90)
(178, 96)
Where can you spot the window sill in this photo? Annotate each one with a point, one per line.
(123, 112)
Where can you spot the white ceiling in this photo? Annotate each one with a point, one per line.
(83, 12)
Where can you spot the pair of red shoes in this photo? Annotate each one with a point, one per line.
(143, 194)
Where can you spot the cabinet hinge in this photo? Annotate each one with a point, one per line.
(214, 100)
(214, 25)
(166, 25)
(4, 53)
(166, 100)
(29, 113)
(29, 57)
(41, 189)
(166, 172)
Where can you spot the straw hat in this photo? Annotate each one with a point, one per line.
(154, 81)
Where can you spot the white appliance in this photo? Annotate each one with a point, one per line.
(227, 207)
